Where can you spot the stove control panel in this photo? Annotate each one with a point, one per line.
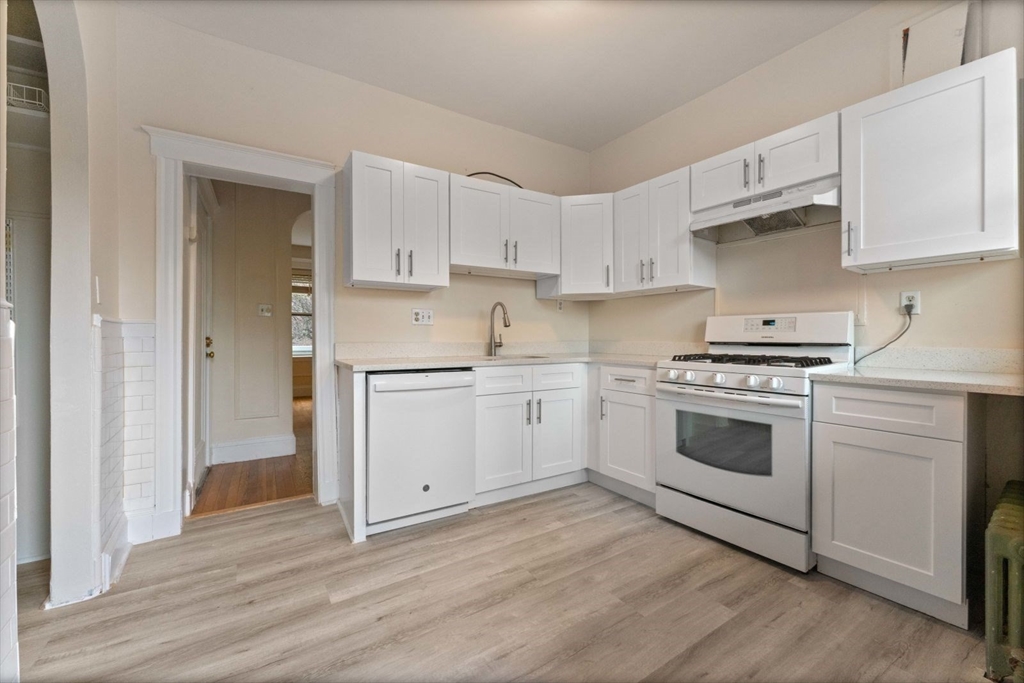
(740, 380)
(769, 324)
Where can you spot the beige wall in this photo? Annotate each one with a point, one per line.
(251, 374)
(222, 90)
(978, 305)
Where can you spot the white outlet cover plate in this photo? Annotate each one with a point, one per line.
(265, 310)
(422, 316)
(911, 297)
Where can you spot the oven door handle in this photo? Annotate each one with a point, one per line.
(763, 400)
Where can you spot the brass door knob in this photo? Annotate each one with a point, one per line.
(209, 354)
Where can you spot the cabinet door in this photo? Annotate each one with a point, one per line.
(722, 179)
(557, 432)
(631, 208)
(377, 221)
(504, 441)
(627, 438)
(535, 231)
(586, 244)
(890, 504)
(426, 226)
(930, 169)
(479, 223)
(670, 241)
(801, 154)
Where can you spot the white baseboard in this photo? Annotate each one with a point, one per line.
(146, 525)
(253, 449)
(634, 493)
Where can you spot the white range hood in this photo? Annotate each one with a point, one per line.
(773, 211)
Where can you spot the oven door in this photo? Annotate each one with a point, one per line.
(747, 452)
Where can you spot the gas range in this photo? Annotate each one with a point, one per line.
(774, 353)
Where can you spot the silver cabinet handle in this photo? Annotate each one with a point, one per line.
(398, 261)
(410, 263)
(515, 252)
(849, 238)
(651, 275)
(760, 169)
(602, 407)
(607, 276)
(506, 251)
(625, 379)
(746, 173)
(539, 402)
(641, 271)
(529, 410)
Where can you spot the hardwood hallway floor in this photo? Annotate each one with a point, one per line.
(243, 484)
(576, 584)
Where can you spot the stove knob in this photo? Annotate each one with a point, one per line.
(717, 378)
(753, 381)
(775, 383)
(690, 376)
(673, 374)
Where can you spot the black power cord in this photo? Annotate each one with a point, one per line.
(496, 176)
(910, 319)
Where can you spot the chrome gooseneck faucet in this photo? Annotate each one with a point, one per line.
(497, 344)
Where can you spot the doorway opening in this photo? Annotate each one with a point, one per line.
(248, 334)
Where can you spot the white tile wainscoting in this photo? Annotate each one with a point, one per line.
(8, 506)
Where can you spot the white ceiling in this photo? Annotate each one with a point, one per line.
(578, 72)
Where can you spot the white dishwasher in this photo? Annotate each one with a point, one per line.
(420, 442)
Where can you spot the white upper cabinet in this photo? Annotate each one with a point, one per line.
(930, 170)
(676, 258)
(631, 208)
(535, 232)
(426, 226)
(798, 155)
(723, 179)
(480, 224)
(396, 220)
(586, 245)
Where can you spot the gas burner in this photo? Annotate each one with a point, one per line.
(743, 359)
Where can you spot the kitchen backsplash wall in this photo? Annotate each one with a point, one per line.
(978, 305)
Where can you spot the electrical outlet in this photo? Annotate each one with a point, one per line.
(561, 305)
(422, 316)
(912, 298)
(265, 310)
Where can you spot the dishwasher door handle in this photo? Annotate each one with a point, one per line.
(456, 382)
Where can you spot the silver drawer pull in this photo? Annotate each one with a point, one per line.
(625, 379)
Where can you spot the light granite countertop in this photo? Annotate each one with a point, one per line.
(441, 362)
(1009, 384)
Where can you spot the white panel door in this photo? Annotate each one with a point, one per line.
(504, 440)
(723, 178)
(587, 244)
(890, 504)
(627, 438)
(377, 220)
(479, 223)
(930, 169)
(630, 229)
(426, 226)
(535, 231)
(801, 154)
(669, 238)
(557, 432)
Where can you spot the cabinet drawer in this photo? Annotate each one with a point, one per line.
(504, 379)
(938, 416)
(562, 376)
(633, 380)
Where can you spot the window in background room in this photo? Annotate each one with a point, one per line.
(302, 313)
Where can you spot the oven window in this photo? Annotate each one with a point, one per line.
(725, 442)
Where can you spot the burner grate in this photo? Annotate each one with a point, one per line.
(743, 359)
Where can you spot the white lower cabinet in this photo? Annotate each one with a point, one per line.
(523, 436)
(892, 505)
(626, 437)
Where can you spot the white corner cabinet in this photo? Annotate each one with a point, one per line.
(800, 154)
(930, 170)
(586, 269)
(503, 230)
(395, 232)
(529, 423)
(895, 490)
(654, 249)
(626, 434)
